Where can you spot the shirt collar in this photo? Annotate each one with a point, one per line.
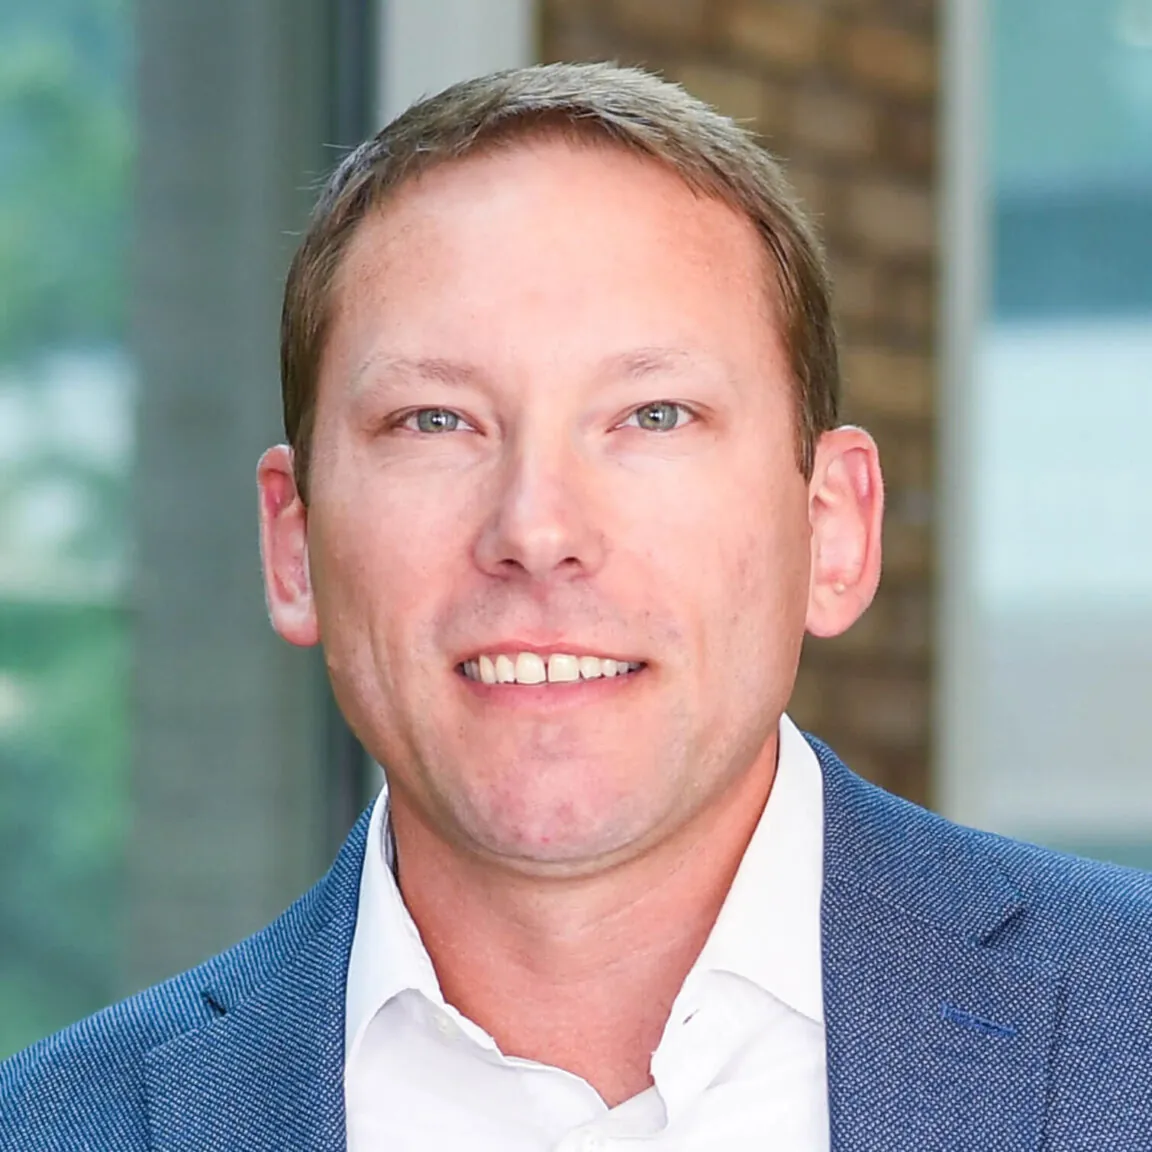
(388, 957)
(768, 930)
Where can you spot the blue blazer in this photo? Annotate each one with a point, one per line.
(980, 995)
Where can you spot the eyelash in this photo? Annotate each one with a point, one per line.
(403, 418)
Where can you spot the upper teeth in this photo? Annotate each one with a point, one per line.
(532, 668)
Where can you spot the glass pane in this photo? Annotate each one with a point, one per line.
(66, 138)
(1063, 407)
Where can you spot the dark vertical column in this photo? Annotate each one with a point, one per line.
(232, 792)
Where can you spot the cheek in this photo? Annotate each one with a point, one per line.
(375, 604)
(752, 574)
(379, 559)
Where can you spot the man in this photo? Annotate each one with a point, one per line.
(564, 492)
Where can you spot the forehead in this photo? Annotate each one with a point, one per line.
(558, 239)
(567, 186)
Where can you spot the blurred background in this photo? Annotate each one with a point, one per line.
(172, 775)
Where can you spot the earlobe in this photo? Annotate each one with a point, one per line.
(846, 508)
(284, 549)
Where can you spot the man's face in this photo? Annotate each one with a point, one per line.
(555, 417)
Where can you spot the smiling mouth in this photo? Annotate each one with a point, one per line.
(531, 668)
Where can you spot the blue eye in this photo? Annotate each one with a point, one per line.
(433, 420)
(660, 416)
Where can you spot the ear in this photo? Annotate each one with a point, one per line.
(284, 549)
(845, 511)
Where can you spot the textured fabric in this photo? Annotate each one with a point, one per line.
(979, 994)
(743, 1052)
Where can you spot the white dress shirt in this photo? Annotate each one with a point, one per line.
(741, 1064)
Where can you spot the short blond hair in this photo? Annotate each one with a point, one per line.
(622, 106)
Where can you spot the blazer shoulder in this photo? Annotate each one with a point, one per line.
(1077, 910)
(83, 1088)
(1056, 907)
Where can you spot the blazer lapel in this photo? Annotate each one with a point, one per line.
(268, 1074)
(937, 1037)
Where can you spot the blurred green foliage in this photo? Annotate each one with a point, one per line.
(66, 150)
(63, 806)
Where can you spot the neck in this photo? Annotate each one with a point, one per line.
(578, 972)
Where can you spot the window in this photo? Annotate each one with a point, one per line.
(1052, 646)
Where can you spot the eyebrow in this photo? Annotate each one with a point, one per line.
(635, 364)
(437, 369)
(640, 362)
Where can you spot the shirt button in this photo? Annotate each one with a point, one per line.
(593, 1142)
(445, 1026)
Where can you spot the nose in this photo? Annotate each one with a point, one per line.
(544, 523)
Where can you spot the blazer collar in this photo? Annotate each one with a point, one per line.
(937, 1037)
(268, 1072)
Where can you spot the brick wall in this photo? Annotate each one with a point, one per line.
(844, 91)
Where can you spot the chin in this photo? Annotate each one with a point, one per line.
(572, 856)
(564, 830)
